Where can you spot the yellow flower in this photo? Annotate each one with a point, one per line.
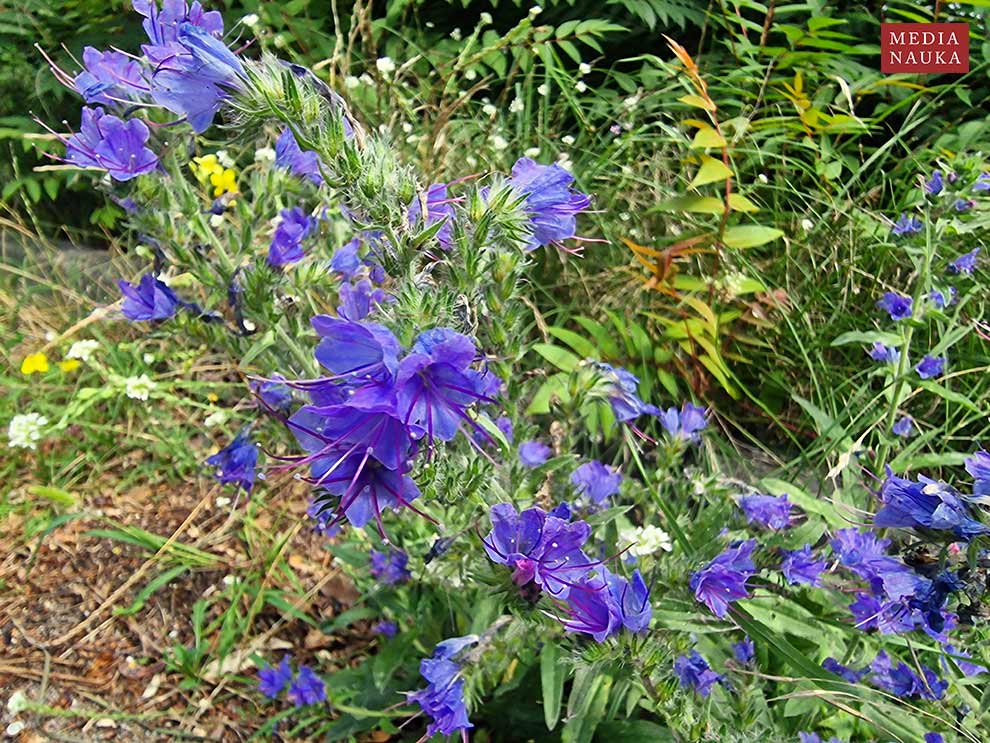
(224, 181)
(68, 365)
(36, 362)
(205, 166)
(212, 396)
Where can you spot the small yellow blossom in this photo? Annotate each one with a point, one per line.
(205, 166)
(212, 396)
(224, 181)
(68, 365)
(35, 363)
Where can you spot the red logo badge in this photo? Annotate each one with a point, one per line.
(924, 47)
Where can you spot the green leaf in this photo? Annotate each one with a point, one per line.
(559, 357)
(56, 495)
(555, 386)
(750, 235)
(711, 170)
(580, 344)
(693, 204)
(948, 395)
(868, 338)
(706, 138)
(740, 203)
(634, 731)
(552, 677)
(145, 593)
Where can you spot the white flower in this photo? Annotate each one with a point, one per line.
(543, 90)
(499, 142)
(365, 79)
(216, 220)
(472, 161)
(224, 158)
(584, 68)
(535, 11)
(223, 501)
(532, 152)
(139, 388)
(407, 127)
(25, 430)
(456, 34)
(470, 74)
(733, 284)
(807, 225)
(250, 20)
(264, 155)
(351, 82)
(567, 140)
(631, 101)
(646, 540)
(489, 110)
(762, 177)
(230, 580)
(517, 105)
(18, 702)
(216, 418)
(385, 65)
(580, 86)
(485, 19)
(49, 336)
(82, 350)
(564, 161)
(149, 358)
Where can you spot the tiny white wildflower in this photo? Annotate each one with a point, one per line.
(216, 418)
(762, 177)
(83, 350)
(407, 127)
(366, 79)
(456, 34)
(148, 358)
(264, 155)
(15, 728)
(248, 325)
(532, 152)
(18, 702)
(351, 82)
(413, 139)
(25, 430)
(139, 388)
(733, 283)
(535, 11)
(472, 161)
(485, 19)
(385, 65)
(499, 142)
(224, 158)
(49, 336)
(584, 68)
(567, 139)
(564, 161)
(517, 105)
(580, 86)
(223, 501)
(489, 110)
(625, 216)
(543, 90)
(807, 225)
(250, 20)
(470, 74)
(216, 220)
(231, 580)
(631, 101)
(430, 24)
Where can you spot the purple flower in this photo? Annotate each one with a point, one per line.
(622, 389)
(385, 628)
(799, 567)
(744, 650)
(274, 393)
(533, 453)
(438, 208)
(443, 697)
(236, 462)
(935, 184)
(965, 264)
(767, 510)
(693, 672)
(815, 738)
(723, 580)
(345, 259)
(903, 682)
(596, 481)
(934, 738)
(390, 567)
(356, 349)
(686, 424)
(632, 598)
(541, 549)
(930, 366)
(303, 164)
(887, 354)
(849, 674)
(549, 200)
(968, 669)
(294, 226)
(163, 26)
(325, 517)
(897, 305)
(964, 205)
(906, 225)
(925, 504)
(904, 427)
(942, 299)
(272, 680)
(307, 688)
(109, 77)
(357, 300)
(982, 182)
(978, 466)
(151, 299)
(505, 426)
(111, 144)
(591, 610)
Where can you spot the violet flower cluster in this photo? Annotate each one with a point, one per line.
(443, 697)
(304, 686)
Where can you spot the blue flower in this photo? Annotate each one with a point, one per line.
(925, 504)
(307, 688)
(632, 600)
(109, 77)
(897, 305)
(622, 389)
(111, 144)
(685, 424)
(851, 675)
(906, 225)
(533, 453)
(767, 510)
(438, 208)
(693, 672)
(325, 517)
(965, 264)
(887, 354)
(964, 205)
(294, 226)
(151, 299)
(504, 425)
(591, 610)
(385, 628)
(236, 462)
(549, 200)
(443, 697)
(355, 349)
(942, 299)
(163, 26)
(935, 184)
(978, 466)
(274, 393)
(596, 481)
(723, 580)
(904, 683)
(800, 567)
(815, 738)
(982, 182)
(272, 680)
(390, 567)
(934, 738)
(359, 299)
(744, 650)
(930, 366)
(345, 259)
(301, 163)
(904, 427)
